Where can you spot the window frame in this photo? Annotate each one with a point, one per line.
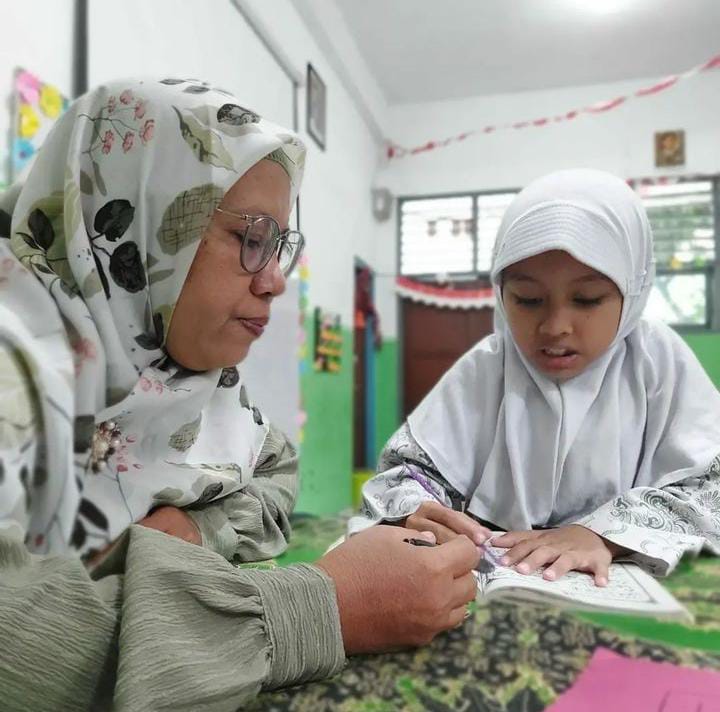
(712, 271)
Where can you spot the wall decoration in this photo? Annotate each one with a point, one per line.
(395, 150)
(328, 341)
(36, 108)
(316, 100)
(669, 148)
(445, 297)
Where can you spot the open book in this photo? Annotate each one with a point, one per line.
(630, 590)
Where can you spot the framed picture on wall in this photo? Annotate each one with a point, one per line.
(669, 148)
(316, 101)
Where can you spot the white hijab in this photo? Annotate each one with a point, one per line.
(527, 451)
(109, 222)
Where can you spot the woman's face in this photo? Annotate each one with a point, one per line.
(563, 314)
(222, 309)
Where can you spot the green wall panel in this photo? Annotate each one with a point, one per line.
(707, 348)
(386, 392)
(326, 450)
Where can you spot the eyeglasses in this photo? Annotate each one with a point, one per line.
(262, 239)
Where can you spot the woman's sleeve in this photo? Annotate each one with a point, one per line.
(254, 523)
(660, 525)
(168, 625)
(406, 478)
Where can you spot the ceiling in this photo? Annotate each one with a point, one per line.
(430, 50)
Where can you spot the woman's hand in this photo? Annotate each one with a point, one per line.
(392, 595)
(572, 548)
(446, 524)
(175, 522)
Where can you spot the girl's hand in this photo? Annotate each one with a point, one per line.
(571, 548)
(446, 524)
(175, 522)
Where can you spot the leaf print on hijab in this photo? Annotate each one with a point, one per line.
(126, 268)
(229, 378)
(186, 218)
(112, 222)
(236, 115)
(5, 222)
(204, 142)
(185, 436)
(39, 245)
(113, 219)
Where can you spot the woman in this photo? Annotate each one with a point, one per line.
(143, 254)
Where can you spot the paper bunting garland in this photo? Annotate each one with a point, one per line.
(445, 297)
(395, 150)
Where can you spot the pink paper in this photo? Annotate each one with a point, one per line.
(614, 682)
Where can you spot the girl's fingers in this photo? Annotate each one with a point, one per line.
(601, 569)
(564, 563)
(518, 552)
(537, 559)
(510, 539)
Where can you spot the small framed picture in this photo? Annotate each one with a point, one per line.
(669, 148)
(316, 107)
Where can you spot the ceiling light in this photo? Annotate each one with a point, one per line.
(601, 7)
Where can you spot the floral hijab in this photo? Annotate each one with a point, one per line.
(109, 222)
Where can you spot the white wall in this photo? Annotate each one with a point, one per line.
(620, 140)
(37, 35)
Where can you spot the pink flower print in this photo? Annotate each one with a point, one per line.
(126, 97)
(6, 266)
(158, 387)
(145, 383)
(112, 104)
(128, 141)
(108, 141)
(140, 109)
(146, 132)
(84, 350)
(122, 468)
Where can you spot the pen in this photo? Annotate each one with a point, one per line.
(420, 542)
(411, 470)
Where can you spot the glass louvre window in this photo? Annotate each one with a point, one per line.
(490, 211)
(437, 236)
(682, 219)
(455, 236)
(683, 225)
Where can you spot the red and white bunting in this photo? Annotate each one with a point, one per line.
(395, 150)
(445, 297)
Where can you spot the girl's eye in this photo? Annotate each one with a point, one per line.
(584, 302)
(527, 301)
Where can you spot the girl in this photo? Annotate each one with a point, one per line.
(582, 429)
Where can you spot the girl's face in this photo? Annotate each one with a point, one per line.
(222, 309)
(563, 314)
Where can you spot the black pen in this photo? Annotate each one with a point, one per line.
(420, 542)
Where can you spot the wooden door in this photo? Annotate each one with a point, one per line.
(433, 339)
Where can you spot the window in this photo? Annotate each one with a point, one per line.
(452, 237)
(683, 223)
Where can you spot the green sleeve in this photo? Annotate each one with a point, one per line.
(165, 625)
(254, 523)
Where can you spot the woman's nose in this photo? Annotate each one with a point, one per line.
(269, 281)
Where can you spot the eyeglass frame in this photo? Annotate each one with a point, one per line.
(280, 240)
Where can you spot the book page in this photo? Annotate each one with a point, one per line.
(629, 589)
